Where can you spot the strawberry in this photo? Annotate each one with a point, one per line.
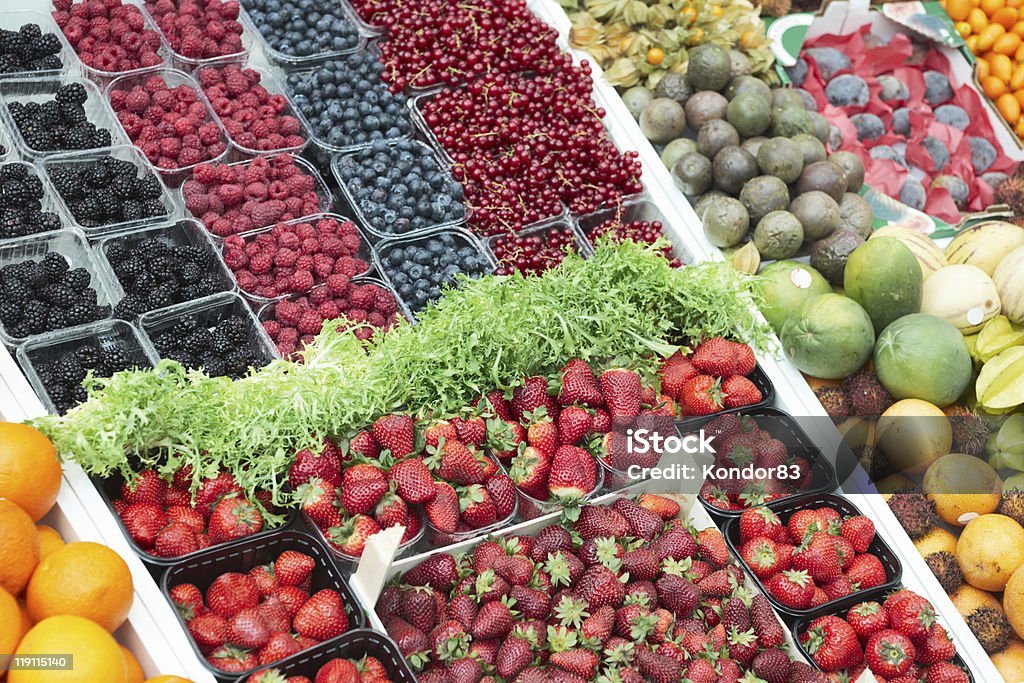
(602, 422)
(600, 586)
(529, 472)
(889, 654)
(769, 631)
(214, 489)
(937, 647)
(712, 547)
(275, 614)
(503, 494)
(867, 618)
(232, 659)
(143, 522)
(209, 630)
(530, 395)
(188, 599)
(325, 466)
(674, 373)
(664, 507)
(372, 670)
(494, 620)
(391, 511)
(436, 431)
(292, 597)
(414, 481)
(677, 594)
(622, 391)
(515, 653)
(702, 395)
(470, 430)
(411, 641)
(504, 437)
(760, 521)
(573, 473)
(531, 603)
(465, 670)
(230, 593)
(913, 616)
(819, 557)
(476, 507)
(322, 617)
(832, 643)
(715, 357)
(761, 556)
(859, 531)
(147, 487)
(248, 630)
(293, 568)
(643, 523)
(803, 522)
(740, 391)
(579, 385)
(658, 668)
(338, 670)
(945, 672)
(496, 401)
(793, 589)
(175, 540)
(438, 571)
(350, 538)
(319, 500)
(363, 444)
(745, 360)
(362, 487)
(395, 433)
(443, 509)
(233, 518)
(188, 516)
(455, 463)
(420, 609)
(577, 661)
(866, 571)
(574, 423)
(845, 551)
(771, 453)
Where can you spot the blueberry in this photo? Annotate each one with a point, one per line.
(952, 115)
(912, 194)
(983, 154)
(936, 88)
(937, 151)
(847, 90)
(869, 126)
(829, 61)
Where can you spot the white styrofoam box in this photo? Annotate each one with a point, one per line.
(151, 631)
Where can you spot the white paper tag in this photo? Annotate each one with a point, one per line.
(375, 563)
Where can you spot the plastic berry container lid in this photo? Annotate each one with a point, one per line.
(180, 61)
(365, 32)
(183, 233)
(273, 86)
(173, 177)
(13, 19)
(124, 152)
(97, 110)
(106, 334)
(72, 245)
(208, 311)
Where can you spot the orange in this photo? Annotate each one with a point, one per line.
(989, 7)
(655, 56)
(993, 86)
(958, 9)
(168, 679)
(10, 626)
(1009, 107)
(19, 547)
(132, 666)
(97, 656)
(972, 44)
(1005, 17)
(49, 540)
(29, 469)
(1006, 44)
(84, 579)
(26, 620)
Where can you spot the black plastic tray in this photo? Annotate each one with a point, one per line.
(760, 380)
(786, 429)
(785, 510)
(110, 488)
(353, 645)
(243, 555)
(804, 623)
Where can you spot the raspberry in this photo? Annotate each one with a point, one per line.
(310, 245)
(236, 259)
(290, 335)
(288, 312)
(302, 281)
(206, 174)
(272, 328)
(135, 101)
(170, 147)
(191, 46)
(375, 319)
(189, 156)
(305, 262)
(285, 258)
(319, 295)
(246, 280)
(310, 322)
(329, 310)
(267, 213)
(289, 240)
(306, 231)
(230, 194)
(363, 296)
(278, 190)
(384, 303)
(197, 204)
(261, 263)
(322, 265)
(351, 243)
(236, 83)
(347, 265)
(356, 315)
(256, 191)
(296, 206)
(339, 284)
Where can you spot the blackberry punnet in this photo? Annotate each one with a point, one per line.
(347, 104)
(62, 377)
(254, 118)
(234, 198)
(534, 253)
(297, 320)
(170, 124)
(108, 35)
(45, 295)
(642, 232)
(199, 29)
(29, 49)
(401, 187)
(155, 274)
(303, 28)
(59, 123)
(21, 207)
(108, 191)
(294, 257)
(221, 350)
(420, 270)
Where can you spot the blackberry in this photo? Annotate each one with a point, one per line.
(10, 313)
(82, 312)
(73, 93)
(63, 377)
(34, 317)
(55, 266)
(77, 278)
(157, 275)
(108, 191)
(220, 351)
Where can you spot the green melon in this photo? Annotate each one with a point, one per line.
(784, 286)
(921, 356)
(884, 277)
(829, 336)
